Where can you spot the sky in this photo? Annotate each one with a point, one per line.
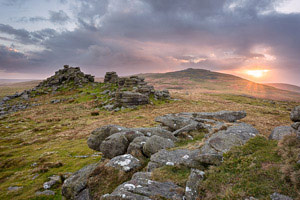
(255, 39)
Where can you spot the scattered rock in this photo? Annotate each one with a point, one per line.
(193, 183)
(55, 179)
(276, 196)
(125, 163)
(45, 193)
(156, 143)
(14, 188)
(279, 132)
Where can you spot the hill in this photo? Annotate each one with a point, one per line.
(205, 81)
(284, 86)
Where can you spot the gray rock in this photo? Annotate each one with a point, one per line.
(109, 107)
(25, 96)
(114, 145)
(295, 114)
(183, 157)
(55, 179)
(45, 193)
(14, 188)
(230, 116)
(279, 132)
(156, 143)
(193, 183)
(131, 135)
(127, 98)
(164, 94)
(125, 163)
(276, 196)
(77, 182)
(209, 159)
(98, 135)
(156, 131)
(83, 195)
(223, 141)
(135, 148)
(7, 98)
(190, 127)
(141, 187)
(174, 122)
(296, 126)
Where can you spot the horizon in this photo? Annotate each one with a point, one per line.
(255, 40)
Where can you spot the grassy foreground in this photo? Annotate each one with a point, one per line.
(51, 139)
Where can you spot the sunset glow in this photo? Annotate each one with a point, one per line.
(257, 73)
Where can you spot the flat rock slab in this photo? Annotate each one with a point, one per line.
(125, 163)
(175, 157)
(141, 187)
(223, 141)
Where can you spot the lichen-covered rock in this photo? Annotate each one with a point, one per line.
(223, 141)
(164, 94)
(183, 157)
(125, 163)
(193, 183)
(156, 143)
(77, 182)
(98, 135)
(114, 145)
(295, 114)
(141, 187)
(279, 132)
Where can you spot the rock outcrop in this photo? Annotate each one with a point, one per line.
(129, 148)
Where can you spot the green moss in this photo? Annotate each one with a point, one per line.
(175, 174)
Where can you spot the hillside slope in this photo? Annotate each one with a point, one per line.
(284, 86)
(200, 80)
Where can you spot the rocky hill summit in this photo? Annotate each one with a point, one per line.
(135, 160)
(114, 94)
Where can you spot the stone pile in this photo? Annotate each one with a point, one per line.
(129, 149)
(132, 91)
(279, 132)
(68, 76)
(65, 76)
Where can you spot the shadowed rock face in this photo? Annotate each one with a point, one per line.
(295, 114)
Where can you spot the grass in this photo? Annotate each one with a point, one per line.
(58, 132)
(254, 169)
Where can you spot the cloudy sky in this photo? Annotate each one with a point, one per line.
(255, 39)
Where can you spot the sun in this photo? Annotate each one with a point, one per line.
(257, 73)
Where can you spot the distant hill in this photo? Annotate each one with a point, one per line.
(284, 86)
(201, 80)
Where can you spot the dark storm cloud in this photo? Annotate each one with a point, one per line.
(135, 36)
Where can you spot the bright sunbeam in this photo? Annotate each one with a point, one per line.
(257, 73)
